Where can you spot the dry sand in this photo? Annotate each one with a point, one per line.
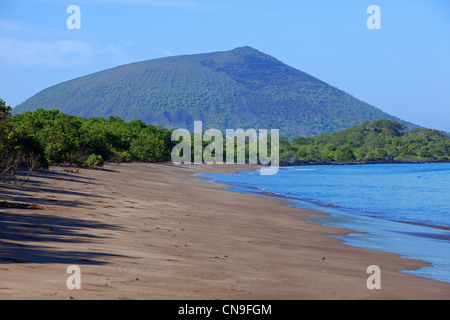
(148, 231)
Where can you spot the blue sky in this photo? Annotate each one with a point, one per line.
(403, 68)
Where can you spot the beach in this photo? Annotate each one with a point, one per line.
(155, 231)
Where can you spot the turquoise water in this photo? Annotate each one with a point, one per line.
(397, 206)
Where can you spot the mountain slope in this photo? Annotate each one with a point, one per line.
(240, 88)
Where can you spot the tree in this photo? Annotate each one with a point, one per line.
(94, 161)
(17, 151)
(5, 127)
(361, 153)
(327, 152)
(150, 146)
(344, 153)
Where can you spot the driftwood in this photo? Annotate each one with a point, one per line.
(17, 205)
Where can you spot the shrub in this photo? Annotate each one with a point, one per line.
(94, 161)
(344, 153)
(125, 156)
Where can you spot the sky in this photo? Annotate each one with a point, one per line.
(403, 68)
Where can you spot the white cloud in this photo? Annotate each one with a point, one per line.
(163, 51)
(48, 53)
(54, 53)
(7, 25)
(112, 49)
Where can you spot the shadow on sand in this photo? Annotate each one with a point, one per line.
(31, 236)
(19, 232)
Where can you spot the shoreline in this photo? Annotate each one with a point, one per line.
(152, 231)
(335, 213)
(299, 163)
(343, 219)
(323, 208)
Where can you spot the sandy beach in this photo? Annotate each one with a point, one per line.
(153, 231)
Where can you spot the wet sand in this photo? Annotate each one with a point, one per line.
(151, 231)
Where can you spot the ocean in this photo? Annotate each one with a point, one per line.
(400, 208)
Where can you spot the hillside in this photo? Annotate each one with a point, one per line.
(241, 88)
(36, 139)
(370, 142)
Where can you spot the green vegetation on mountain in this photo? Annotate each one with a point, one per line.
(36, 139)
(17, 150)
(377, 141)
(240, 88)
(74, 140)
